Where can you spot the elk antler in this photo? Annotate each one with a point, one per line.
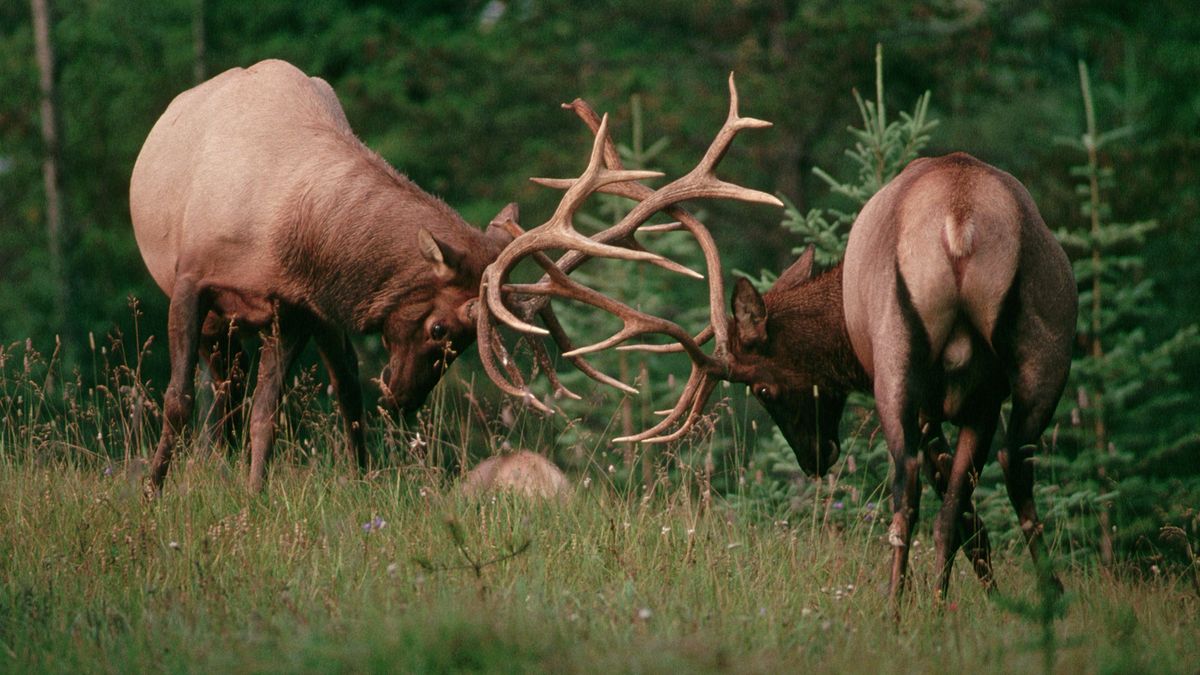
(604, 173)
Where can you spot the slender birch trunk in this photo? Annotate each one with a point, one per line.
(44, 51)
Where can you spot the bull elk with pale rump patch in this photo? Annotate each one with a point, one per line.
(255, 205)
(952, 297)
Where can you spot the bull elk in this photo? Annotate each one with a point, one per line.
(255, 205)
(952, 297)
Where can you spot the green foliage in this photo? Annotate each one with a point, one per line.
(881, 150)
(1123, 387)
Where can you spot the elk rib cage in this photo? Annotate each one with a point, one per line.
(605, 174)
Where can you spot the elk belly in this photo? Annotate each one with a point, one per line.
(248, 309)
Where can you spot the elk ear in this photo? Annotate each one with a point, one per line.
(444, 258)
(799, 272)
(749, 314)
(504, 226)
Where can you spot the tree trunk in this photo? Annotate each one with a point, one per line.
(198, 45)
(1096, 347)
(44, 50)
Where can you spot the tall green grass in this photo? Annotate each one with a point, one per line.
(327, 574)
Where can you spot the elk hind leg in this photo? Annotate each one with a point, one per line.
(1025, 426)
(972, 534)
(900, 425)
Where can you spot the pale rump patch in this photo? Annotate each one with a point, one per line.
(958, 236)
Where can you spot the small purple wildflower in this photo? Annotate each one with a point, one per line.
(839, 506)
(108, 470)
(870, 508)
(374, 525)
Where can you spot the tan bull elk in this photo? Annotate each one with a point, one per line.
(253, 203)
(952, 297)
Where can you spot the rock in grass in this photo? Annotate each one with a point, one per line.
(524, 472)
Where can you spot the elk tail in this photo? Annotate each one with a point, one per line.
(958, 235)
(958, 240)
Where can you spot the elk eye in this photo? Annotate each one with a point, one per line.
(762, 391)
(437, 332)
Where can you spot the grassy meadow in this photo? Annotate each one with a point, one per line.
(325, 575)
(396, 571)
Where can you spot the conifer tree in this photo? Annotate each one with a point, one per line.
(1121, 386)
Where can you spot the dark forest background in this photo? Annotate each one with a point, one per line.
(463, 98)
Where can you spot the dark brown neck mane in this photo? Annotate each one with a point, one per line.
(350, 239)
(811, 316)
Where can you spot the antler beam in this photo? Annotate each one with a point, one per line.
(605, 174)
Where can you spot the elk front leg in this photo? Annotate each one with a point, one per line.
(279, 350)
(341, 362)
(971, 531)
(957, 516)
(183, 335)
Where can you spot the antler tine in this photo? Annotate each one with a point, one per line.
(663, 227)
(541, 240)
(564, 343)
(635, 322)
(682, 405)
(673, 348)
(695, 394)
(489, 344)
(543, 359)
(594, 177)
(546, 313)
(698, 399)
(558, 232)
(630, 191)
(700, 182)
(592, 120)
(734, 123)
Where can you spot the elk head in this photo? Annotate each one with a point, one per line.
(801, 372)
(423, 337)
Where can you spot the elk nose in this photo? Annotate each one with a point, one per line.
(829, 457)
(409, 415)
